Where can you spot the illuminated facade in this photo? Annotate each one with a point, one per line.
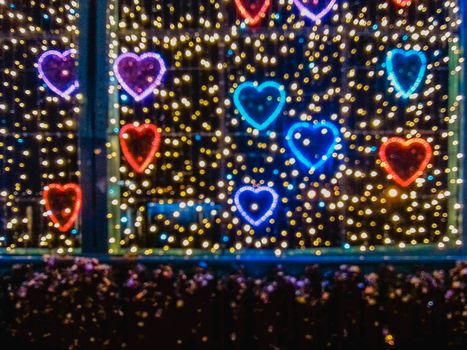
(286, 126)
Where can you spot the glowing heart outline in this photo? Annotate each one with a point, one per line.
(75, 211)
(299, 154)
(386, 164)
(392, 76)
(250, 20)
(157, 81)
(75, 84)
(267, 84)
(256, 190)
(139, 167)
(305, 11)
(403, 3)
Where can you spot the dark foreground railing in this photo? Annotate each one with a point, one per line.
(84, 304)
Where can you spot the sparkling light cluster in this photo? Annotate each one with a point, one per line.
(332, 70)
(38, 141)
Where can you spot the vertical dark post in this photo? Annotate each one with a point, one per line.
(93, 74)
(223, 87)
(463, 5)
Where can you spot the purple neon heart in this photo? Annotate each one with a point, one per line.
(58, 70)
(306, 11)
(139, 75)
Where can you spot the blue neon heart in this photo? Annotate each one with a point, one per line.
(259, 105)
(406, 70)
(314, 149)
(264, 198)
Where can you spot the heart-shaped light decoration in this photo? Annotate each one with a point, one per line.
(314, 9)
(139, 75)
(253, 11)
(402, 3)
(259, 105)
(58, 70)
(324, 137)
(63, 203)
(406, 70)
(139, 145)
(405, 160)
(256, 204)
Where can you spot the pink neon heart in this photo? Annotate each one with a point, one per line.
(314, 16)
(139, 75)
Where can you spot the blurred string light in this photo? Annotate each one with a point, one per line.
(38, 124)
(333, 67)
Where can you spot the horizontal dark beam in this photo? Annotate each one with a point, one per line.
(251, 259)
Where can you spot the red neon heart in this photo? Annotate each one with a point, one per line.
(405, 160)
(64, 203)
(252, 10)
(402, 3)
(139, 145)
